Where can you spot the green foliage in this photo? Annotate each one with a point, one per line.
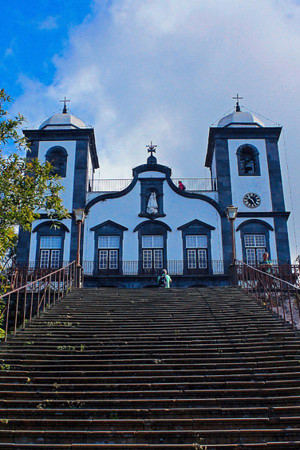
(27, 186)
(4, 421)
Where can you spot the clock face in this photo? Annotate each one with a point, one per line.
(251, 200)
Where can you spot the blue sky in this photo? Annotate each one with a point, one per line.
(160, 70)
(34, 32)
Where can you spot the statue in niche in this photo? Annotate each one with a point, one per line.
(152, 206)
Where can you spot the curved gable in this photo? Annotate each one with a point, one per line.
(51, 223)
(256, 222)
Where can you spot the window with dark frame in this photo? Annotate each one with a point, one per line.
(248, 160)
(50, 252)
(57, 157)
(108, 252)
(152, 246)
(196, 249)
(255, 247)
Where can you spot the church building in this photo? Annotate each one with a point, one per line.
(133, 228)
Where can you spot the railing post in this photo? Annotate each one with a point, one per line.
(7, 317)
(79, 276)
(233, 274)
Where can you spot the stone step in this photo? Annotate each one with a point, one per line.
(254, 446)
(151, 413)
(147, 436)
(109, 368)
(149, 402)
(125, 424)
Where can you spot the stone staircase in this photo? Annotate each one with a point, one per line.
(152, 369)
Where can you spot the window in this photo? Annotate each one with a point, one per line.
(108, 248)
(255, 246)
(50, 251)
(196, 248)
(57, 156)
(152, 251)
(248, 160)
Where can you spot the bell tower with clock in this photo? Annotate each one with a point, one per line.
(243, 157)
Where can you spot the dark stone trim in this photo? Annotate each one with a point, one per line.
(23, 247)
(151, 168)
(51, 224)
(79, 192)
(238, 133)
(154, 222)
(149, 185)
(103, 197)
(149, 216)
(152, 227)
(46, 230)
(282, 241)
(64, 135)
(275, 175)
(33, 150)
(109, 223)
(284, 214)
(242, 124)
(255, 153)
(193, 195)
(255, 228)
(61, 157)
(196, 227)
(108, 228)
(46, 216)
(257, 221)
(196, 222)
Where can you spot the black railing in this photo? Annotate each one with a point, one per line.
(21, 304)
(280, 295)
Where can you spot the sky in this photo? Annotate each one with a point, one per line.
(160, 70)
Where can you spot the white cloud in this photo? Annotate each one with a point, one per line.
(164, 71)
(49, 23)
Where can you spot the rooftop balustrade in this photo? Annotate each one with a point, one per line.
(117, 185)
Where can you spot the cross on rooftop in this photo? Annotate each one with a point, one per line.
(151, 148)
(237, 106)
(65, 106)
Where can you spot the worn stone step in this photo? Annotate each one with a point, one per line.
(166, 402)
(117, 424)
(152, 369)
(256, 446)
(202, 437)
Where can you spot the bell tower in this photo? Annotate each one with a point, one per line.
(69, 145)
(243, 156)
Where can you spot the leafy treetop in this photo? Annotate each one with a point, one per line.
(27, 186)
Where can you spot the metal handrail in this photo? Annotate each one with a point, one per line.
(42, 293)
(134, 267)
(278, 295)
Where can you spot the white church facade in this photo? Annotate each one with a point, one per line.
(136, 227)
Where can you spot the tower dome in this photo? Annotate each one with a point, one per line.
(239, 119)
(63, 121)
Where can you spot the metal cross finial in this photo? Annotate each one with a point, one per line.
(151, 148)
(237, 106)
(65, 106)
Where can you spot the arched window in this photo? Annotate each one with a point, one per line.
(255, 240)
(196, 240)
(108, 247)
(248, 160)
(152, 235)
(57, 156)
(50, 244)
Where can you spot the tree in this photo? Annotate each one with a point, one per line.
(27, 186)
